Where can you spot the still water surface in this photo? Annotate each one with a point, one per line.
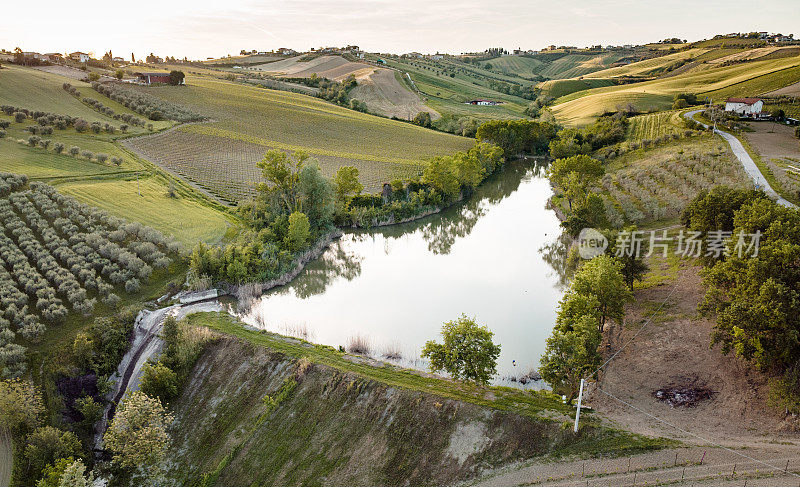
(493, 257)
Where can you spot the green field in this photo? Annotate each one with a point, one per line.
(181, 216)
(247, 121)
(189, 218)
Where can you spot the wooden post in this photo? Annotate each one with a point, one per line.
(676, 459)
(578, 411)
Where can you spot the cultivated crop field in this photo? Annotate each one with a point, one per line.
(225, 165)
(247, 121)
(658, 184)
(654, 125)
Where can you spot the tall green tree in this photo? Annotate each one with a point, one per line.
(467, 352)
(282, 173)
(316, 194)
(602, 278)
(137, 436)
(298, 233)
(571, 353)
(346, 182)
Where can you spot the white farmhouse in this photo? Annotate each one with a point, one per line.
(745, 107)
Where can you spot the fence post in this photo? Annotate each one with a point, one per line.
(578, 411)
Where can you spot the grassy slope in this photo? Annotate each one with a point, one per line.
(582, 107)
(351, 423)
(179, 216)
(34, 89)
(648, 66)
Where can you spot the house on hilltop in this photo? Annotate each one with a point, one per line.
(745, 107)
(79, 56)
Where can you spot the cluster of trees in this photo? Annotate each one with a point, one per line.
(294, 207)
(683, 100)
(518, 136)
(463, 171)
(605, 131)
(597, 294)
(145, 104)
(529, 92)
(334, 91)
(755, 299)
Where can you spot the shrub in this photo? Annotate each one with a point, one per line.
(87, 154)
(4, 124)
(33, 140)
(159, 381)
(81, 125)
(45, 143)
(101, 157)
(20, 117)
(58, 147)
(74, 151)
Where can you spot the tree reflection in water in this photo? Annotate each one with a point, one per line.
(556, 255)
(440, 231)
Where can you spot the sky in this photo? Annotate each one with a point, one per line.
(204, 28)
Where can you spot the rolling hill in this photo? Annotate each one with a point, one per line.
(220, 155)
(714, 80)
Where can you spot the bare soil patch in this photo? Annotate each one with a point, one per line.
(385, 95)
(773, 140)
(676, 343)
(66, 71)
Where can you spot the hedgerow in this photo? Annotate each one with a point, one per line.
(148, 105)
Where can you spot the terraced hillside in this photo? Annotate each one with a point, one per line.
(247, 121)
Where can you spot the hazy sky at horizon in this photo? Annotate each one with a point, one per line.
(201, 28)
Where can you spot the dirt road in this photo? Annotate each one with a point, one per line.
(680, 466)
(747, 162)
(6, 460)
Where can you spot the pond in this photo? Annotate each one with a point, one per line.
(496, 257)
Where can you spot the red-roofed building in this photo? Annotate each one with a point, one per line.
(150, 78)
(745, 107)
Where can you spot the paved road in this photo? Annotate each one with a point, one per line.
(747, 162)
(6, 460)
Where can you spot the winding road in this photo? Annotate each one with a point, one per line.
(747, 162)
